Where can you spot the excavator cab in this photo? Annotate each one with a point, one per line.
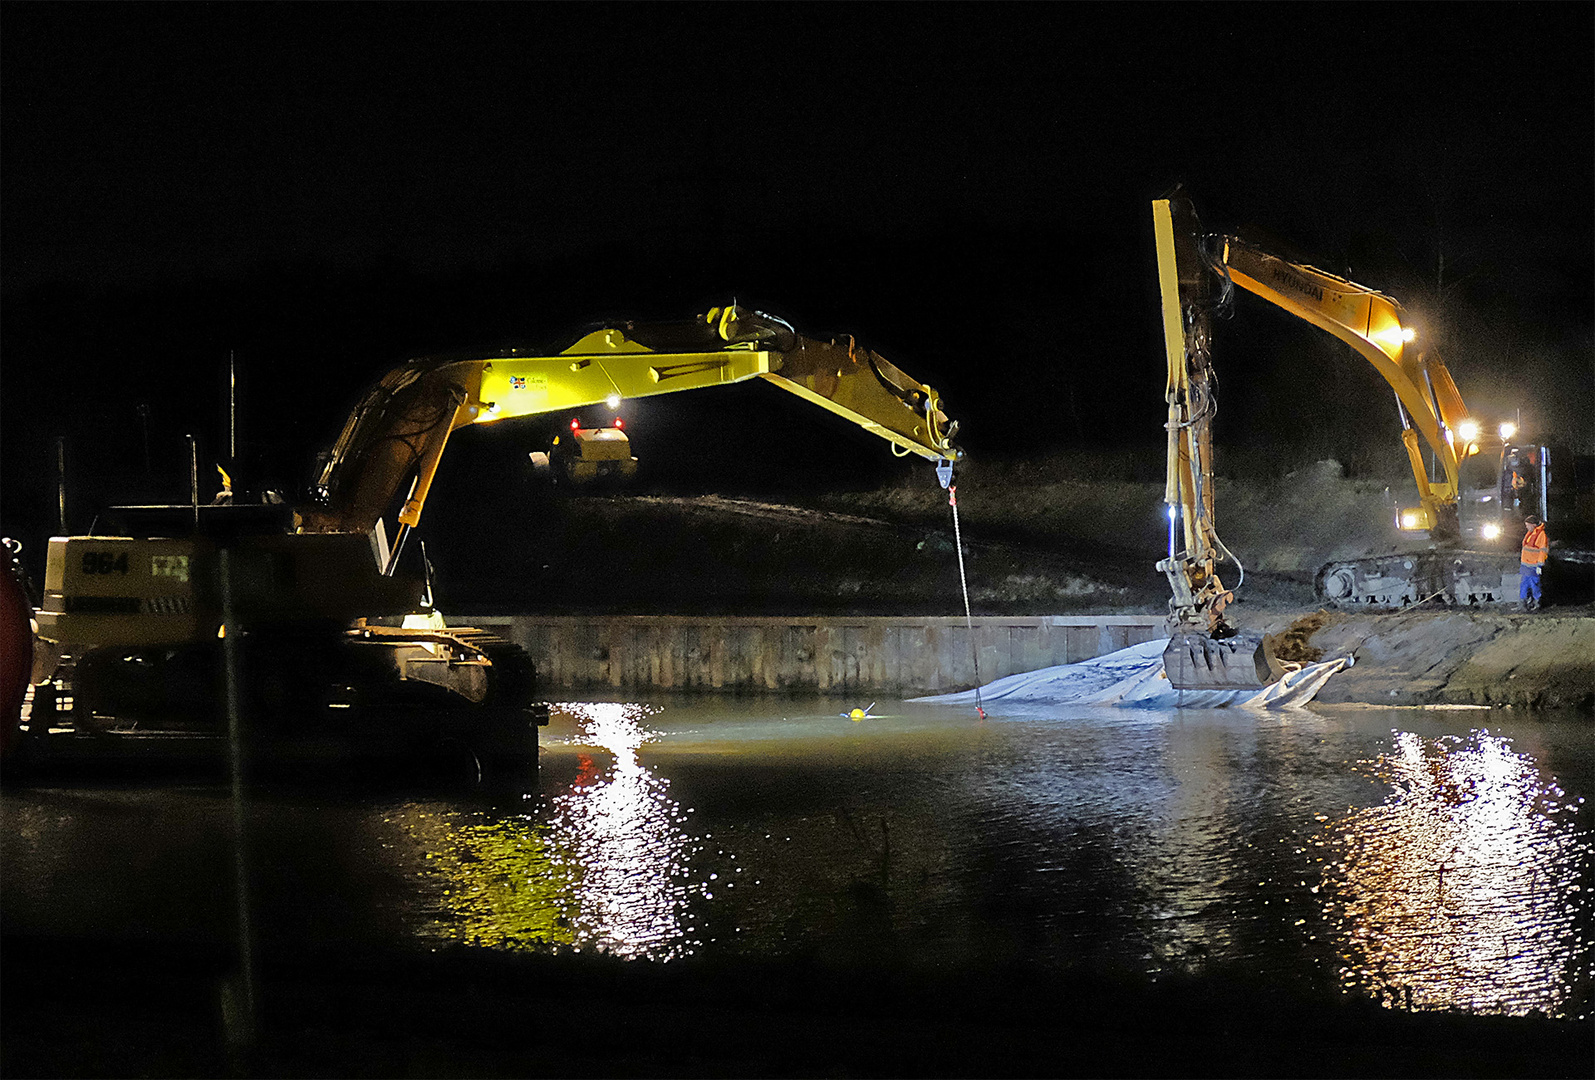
(1522, 487)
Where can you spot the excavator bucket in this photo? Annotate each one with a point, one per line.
(1195, 661)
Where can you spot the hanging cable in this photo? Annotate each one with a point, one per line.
(969, 620)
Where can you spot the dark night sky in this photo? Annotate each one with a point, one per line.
(156, 141)
(326, 189)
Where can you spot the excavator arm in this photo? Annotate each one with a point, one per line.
(397, 435)
(1205, 652)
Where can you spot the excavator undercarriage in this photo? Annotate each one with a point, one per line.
(1480, 579)
(316, 695)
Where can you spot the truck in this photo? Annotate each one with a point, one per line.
(594, 456)
(1473, 511)
(340, 650)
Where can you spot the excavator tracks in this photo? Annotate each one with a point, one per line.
(512, 680)
(1481, 579)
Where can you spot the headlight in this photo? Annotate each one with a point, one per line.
(1508, 430)
(1491, 531)
(1411, 519)
(1469, 430)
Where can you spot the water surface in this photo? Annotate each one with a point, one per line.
(1430, 859)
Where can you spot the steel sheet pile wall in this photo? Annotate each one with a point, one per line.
(886, 655)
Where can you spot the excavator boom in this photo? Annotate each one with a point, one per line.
(399, 431)
(1378, 328)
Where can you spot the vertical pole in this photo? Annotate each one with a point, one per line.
(232, 409)
(1545, 483)
(193, 477)
(144, 421)
(239, 1006)
(60, 479)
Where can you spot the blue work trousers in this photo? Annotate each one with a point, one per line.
(1528, 581)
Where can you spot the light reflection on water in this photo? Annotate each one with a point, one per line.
(1461, 890)
(627, 836)
(605, 865)
(1305, 848)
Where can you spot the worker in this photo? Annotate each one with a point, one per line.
(1536, 549)
(1521, 494)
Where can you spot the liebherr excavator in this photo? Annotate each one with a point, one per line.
(1470, 562)
(315, 589)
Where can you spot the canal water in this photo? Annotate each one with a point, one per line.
(1430, 859)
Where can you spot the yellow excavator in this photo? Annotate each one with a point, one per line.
(337, 641)
(1197, 274)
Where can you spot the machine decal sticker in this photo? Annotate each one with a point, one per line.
(172, 566)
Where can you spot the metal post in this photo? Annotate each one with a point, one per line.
(193, 476)
(240, 1016)
(144, 420)
(232, 409)
(60, 479)
(1545, 483)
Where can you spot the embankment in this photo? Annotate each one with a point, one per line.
(1454, 657)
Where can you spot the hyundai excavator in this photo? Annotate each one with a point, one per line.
(337, 641)
(1472, 560)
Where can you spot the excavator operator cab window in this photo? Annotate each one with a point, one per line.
(1520, 482)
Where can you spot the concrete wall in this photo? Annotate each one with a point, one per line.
(886, 655)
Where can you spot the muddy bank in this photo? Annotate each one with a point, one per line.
(1451, 657)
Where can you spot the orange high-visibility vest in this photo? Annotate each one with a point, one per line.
(1535, 547)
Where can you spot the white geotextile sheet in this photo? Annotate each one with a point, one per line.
(1134, 678)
